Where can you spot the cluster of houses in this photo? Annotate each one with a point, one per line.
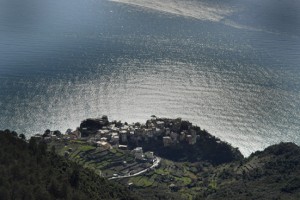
(102, 133)
(118, 135)
(140, 155)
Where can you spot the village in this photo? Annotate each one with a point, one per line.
(126, 139)
(101, 132)
(155, 154)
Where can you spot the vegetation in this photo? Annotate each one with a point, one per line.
(32, 170)
(29, 171)
(271, 174)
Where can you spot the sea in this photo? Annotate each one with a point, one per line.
(231, 67)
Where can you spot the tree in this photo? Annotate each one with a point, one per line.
(53, 150)
(42, 148)
(74, 178)
(22, 136)
(57, 133)
(14, 133)
(54, 188)
(4, 195)
(65, 191)
(46, 133)
(33, 145)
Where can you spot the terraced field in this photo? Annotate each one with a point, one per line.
(107, 162)
(184, 179)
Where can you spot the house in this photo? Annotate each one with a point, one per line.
(138, 153)
(102, 132)
(53, 137)
(149, 132)
(76, 133)
(167, 141)
(160, 124)
(123, 147)
(182, 136)
(139, 131)
(115, 139)
(193, 132)
(37, 137)
(103, 144)
(149, 155)
(158, 131)
(123, 135)
(174, 136)
(191, 139)
(111, 126)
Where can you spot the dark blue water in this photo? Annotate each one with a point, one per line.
(64, 61)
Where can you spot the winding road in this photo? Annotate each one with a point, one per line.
(155, 164)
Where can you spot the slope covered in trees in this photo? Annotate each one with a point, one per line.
(270, 174)
(28, 171)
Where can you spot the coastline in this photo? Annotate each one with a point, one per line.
(144, 157)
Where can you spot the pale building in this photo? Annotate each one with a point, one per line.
(115, 139)
(158, 131)
(149, 155)
(138, 153)
(103, 132)
(123, 147)
(160, 124)
(112, 126)
(103, 144)
(189, 139)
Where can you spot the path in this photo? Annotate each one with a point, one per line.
(155, 164)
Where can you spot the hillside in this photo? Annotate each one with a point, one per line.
(66, 166)
(28, 171)
(270, 174)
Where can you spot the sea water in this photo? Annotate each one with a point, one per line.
(231, 72)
